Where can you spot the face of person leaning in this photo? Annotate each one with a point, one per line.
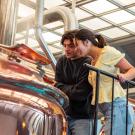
(70, 49)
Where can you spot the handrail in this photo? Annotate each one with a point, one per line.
(114, 77)
(107, 74)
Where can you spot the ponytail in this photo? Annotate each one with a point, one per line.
(85, 34)
(101, 41)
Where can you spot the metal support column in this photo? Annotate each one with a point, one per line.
(8, 12)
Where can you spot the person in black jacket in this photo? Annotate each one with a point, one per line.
(72, 78)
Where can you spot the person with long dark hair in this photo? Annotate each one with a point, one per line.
(109, 59)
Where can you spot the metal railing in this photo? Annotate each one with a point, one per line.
(114, 77)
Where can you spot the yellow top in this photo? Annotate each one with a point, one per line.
(107, 60)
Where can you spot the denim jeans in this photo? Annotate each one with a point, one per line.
(80, 126)
(119, 117)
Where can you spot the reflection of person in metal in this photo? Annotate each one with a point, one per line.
(111, 60)
(72, 78)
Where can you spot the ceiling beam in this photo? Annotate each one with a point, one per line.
(123, 42)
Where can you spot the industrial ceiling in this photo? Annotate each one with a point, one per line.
(114, 19)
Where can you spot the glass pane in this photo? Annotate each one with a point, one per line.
(33, 1)
(130, 26)
(132, 9)
(20, 41)
(50, 37)
(31, 31)
(61, 30)
(99, 6)
(58, 45)
(54, 24)
(119, 16)
(32, 43)
(24, 11)
(95, 24)
(114, 33)
(76, 0)
(125, 2)
(54, 50)
(18, 35)
(81, 14)
(53, 3)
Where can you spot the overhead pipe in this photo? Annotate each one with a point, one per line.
(51, 15)
(68, 19)
(73, 6)
(61, 13)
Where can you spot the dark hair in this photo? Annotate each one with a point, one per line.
(96, 39)
(69, 35)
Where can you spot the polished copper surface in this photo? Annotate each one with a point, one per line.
(21, 58)
(27, 100)
(24, 52)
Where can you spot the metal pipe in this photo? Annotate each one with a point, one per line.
(112, 106)
(38, 32)
(127, 107)
(27, 35)
(73, 6)
(96, 102)
(70, 22)
(39, 23)
(8, 10)
(51, 15)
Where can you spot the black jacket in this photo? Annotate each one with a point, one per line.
(72, 78)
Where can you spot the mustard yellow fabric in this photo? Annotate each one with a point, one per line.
(107, 60)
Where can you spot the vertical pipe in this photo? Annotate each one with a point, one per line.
(96, 101)
(112, 105)
(127, 108)
(27, 34)
(39, 36)
(8, 15)
(73, 6)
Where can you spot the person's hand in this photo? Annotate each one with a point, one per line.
(121, 77)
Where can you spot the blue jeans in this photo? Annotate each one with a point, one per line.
(80, 126)
(119, 117)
